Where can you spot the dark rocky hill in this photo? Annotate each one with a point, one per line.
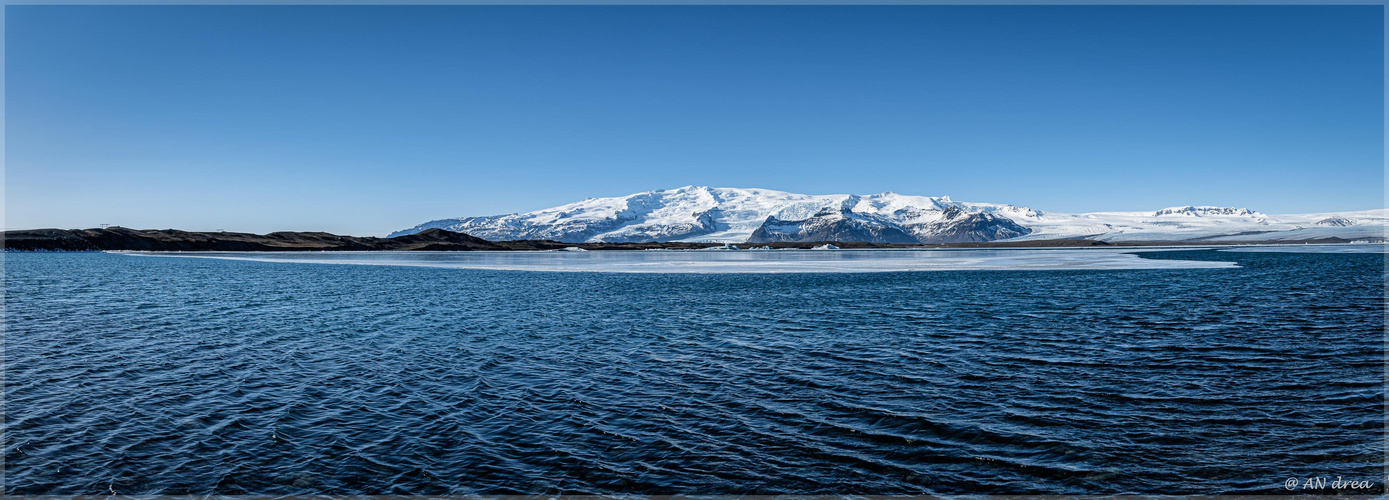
(166, 240)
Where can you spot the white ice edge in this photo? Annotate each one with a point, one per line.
(837, 261)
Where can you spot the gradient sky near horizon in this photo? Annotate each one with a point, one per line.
(368, 119)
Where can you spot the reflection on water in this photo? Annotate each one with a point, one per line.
(1353, 248)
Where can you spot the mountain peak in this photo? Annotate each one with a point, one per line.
(737, 215)
(1201, 211)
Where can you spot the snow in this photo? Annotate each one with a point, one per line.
(1225, 225)
(731, 215)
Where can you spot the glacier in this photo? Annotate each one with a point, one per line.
(738, 215)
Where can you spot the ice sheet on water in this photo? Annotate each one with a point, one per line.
(795, 261)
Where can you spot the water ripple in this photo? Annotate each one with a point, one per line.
(202, 376)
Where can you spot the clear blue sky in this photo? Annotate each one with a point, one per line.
(364, 120)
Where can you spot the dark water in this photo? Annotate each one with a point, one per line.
(157, 375)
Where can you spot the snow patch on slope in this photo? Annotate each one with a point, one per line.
(705, 214)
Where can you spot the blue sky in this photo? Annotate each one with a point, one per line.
(363, 120)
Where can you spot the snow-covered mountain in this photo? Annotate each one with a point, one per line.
(697, 213)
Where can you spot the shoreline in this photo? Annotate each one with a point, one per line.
(437, 240)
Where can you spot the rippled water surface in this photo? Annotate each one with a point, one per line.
(144, 375)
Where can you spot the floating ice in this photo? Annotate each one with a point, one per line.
(791, 261)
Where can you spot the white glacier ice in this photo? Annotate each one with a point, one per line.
(733, 215)
(684, 262)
